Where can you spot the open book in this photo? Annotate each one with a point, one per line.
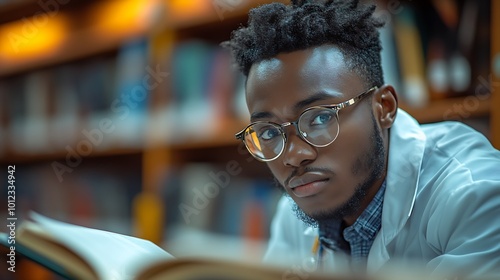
(77, 252)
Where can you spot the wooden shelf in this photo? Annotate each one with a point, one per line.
(11, 157)
(457, 108)
(223, 136)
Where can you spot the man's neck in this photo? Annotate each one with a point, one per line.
(349, 220)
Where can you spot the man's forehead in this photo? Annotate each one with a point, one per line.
(325, 57)
(290, 82)
(265, 67)
(310, 70)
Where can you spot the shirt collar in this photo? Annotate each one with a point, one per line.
(366, 226)
(368, 223)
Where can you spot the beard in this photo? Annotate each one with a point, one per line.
(373, 160)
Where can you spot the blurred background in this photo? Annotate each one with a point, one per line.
(121, 115)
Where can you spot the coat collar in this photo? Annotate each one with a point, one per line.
(406, 149)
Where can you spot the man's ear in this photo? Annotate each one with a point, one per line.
(386, 105)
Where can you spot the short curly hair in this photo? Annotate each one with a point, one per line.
(278, 28)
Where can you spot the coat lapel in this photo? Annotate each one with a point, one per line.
(406, 149)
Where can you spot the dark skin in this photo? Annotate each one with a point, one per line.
(280, 88)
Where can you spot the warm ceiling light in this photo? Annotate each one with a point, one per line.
(31, 37)
(126, 16)
(189, 9)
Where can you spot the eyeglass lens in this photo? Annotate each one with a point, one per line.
(318, 126)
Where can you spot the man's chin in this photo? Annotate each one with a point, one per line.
(304, 217)
(313, 218)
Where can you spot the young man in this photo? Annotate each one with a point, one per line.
(376, 186)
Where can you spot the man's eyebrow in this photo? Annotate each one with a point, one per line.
(298, 106)
(319, 96)
(260, 115)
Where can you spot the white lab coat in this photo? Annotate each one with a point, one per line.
(441, 206)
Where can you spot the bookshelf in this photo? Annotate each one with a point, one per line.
(165, 25)
(83, 38)
(443, 109)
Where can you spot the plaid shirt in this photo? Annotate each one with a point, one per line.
(357, 239)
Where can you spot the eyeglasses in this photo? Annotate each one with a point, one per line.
(318, 126)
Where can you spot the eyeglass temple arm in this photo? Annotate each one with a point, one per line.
(356, 99)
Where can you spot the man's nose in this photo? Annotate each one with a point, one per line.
(297, 151)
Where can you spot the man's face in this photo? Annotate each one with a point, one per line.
(329, 182)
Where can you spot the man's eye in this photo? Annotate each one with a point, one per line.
(322, 118)
(269, 133)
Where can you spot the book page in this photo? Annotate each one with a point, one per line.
(112, 255)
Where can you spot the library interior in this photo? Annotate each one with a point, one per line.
(121, 114)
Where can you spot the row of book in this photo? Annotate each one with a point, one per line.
(100, 193)
(121, 99)
(96, 193)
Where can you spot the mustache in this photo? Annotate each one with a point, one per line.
(300, 171)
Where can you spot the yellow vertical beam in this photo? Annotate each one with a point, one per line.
(149, 206)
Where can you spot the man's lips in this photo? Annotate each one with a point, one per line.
(307, 184)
